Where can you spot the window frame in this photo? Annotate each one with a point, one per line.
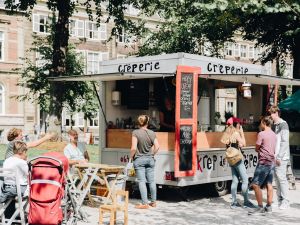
(77, 28)
(2, 96)
(38, 16)
(2, 41)
(100, 31)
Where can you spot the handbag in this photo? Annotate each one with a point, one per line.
(233, 155)
(129, 169)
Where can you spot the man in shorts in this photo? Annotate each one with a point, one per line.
(263, 175)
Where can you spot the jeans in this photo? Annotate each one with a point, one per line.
(239, 171)
(10, 191)
(144, 168)
(263, 175)
(281, 181)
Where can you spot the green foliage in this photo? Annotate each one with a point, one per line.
(75, 96)
(271, 24)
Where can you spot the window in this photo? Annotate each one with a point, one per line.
(237, 50)
(257, 52)
(40, 23)
(229, 49)
(251, 52)
(243, 50)
(93, 60)
(1, 46)
(76, 28)
(2, 99)
(79, 119)
(95, 121)
(94, 32)
(123, 37)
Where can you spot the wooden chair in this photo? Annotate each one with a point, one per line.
(116, 206)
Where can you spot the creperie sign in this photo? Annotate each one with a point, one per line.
(226, 69)
(211, 67)
(139, 67)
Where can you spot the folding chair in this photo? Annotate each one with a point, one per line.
(22, 204)
(116, 206)
(78, 192)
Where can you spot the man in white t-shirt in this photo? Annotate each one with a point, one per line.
(76, 151)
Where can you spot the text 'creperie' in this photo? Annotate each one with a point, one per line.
(139, 67)
(225, 69)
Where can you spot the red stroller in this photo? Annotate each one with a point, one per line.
(47, 179)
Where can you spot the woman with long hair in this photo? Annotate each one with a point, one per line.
(234, 137)
(144, 146)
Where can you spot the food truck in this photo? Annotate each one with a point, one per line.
(204, 90)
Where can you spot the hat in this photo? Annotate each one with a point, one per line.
(232, 120)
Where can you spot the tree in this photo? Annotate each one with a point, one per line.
(62, 93)
(272, 24)
(76, 96)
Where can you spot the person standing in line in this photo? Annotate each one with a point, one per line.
(263, 175)
(144, 146)
(234, 137)
(282, 156)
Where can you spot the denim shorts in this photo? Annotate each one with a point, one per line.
(263, 175)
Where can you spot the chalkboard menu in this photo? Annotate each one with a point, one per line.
(186, 95)
(186, 148)
(185, 160)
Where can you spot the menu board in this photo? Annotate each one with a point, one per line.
(186, 148)
(186, 95)
(186, 121)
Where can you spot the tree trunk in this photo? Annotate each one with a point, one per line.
(60, 48)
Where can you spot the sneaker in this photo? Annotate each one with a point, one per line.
(235, 205)
(257, 211)
(249, 205)
(268, 209)
(152, 204)
(141, 206)
(284, 205)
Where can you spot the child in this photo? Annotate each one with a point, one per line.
(16, 162)
(263, 175)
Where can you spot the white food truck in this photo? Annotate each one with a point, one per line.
(193, 153)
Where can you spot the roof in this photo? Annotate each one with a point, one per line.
(166, 65)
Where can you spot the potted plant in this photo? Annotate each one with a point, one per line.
(217, 118)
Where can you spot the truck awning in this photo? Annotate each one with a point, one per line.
(165, 65)
(254, 79)
(112, 76)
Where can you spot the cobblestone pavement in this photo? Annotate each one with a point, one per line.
(204, 210)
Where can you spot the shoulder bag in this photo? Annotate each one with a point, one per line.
(233, 155)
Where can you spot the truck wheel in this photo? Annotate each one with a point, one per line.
(221, 187)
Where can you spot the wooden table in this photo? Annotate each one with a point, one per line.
(102, 171)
